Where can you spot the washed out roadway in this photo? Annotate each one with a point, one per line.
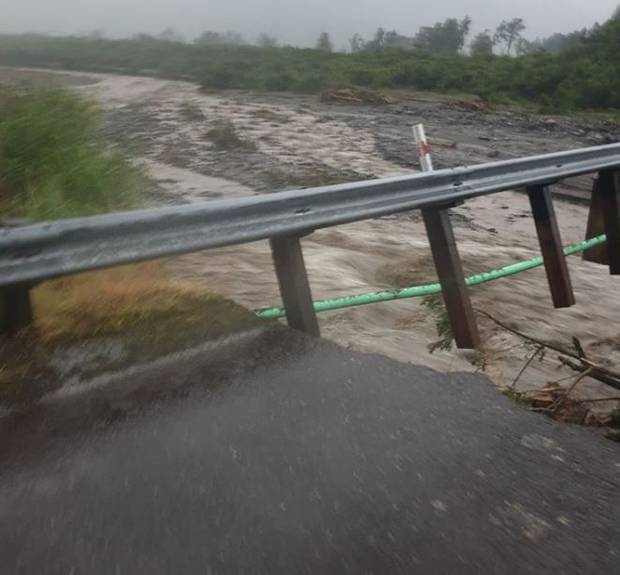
(276, 453)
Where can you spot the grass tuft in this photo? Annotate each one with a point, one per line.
(225, 136)
(53, 162)
(139, 306)
(191, 112)
(436, 308)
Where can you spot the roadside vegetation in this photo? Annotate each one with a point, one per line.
(53, 161)
(560, 73)
(139, 310)
(55, 164)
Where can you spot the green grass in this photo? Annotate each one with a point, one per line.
(142, 307)
(435, 306)
(53, 162)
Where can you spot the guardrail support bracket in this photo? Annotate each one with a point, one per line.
(551, 246)
(294, 286)
(609, 189)
(16, 310)
(451, 277)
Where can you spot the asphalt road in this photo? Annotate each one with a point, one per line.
(275, 453)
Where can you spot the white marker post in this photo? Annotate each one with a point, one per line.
(447, 261)
(424, 151)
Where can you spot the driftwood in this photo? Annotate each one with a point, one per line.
(576, 360)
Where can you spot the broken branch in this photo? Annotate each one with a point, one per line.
(595, 371)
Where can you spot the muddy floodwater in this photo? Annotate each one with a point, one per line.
(288, 141)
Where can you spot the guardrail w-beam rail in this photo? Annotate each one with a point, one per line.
(35, 253)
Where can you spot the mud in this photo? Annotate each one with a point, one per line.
(299, 141)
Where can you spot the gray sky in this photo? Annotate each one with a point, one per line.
(293, 21)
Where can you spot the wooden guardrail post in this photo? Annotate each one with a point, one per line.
(596, 227)
(294, 286)
(450, 273)
(609, 189)
(551, 246)
(15, 310)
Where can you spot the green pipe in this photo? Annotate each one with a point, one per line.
(429, 289)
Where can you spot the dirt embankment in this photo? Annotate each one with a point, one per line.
(290, 141)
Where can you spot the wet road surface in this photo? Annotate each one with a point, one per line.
(275, 453)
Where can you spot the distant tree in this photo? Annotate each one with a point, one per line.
(357, 43)
(559, 42)
(170, 35)
(267, 41)
(378, 42)
(393, 39)
(482, 44)
(524, 46)
(143, 37)
(235, 38)
(324, 43)
(509, 32)
(379, 39)
(464, 30)
(446, 37)
(210, 38)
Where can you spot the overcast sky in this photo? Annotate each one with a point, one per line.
(293, 21)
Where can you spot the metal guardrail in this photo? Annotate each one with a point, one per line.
(35, 253)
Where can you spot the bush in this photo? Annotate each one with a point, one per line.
(53, 163)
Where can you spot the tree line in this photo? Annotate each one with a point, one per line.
(450, 37)
(576, 71)
(447, 37)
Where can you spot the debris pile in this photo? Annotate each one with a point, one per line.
(355, 96)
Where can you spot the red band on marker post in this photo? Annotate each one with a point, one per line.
(424, 151)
